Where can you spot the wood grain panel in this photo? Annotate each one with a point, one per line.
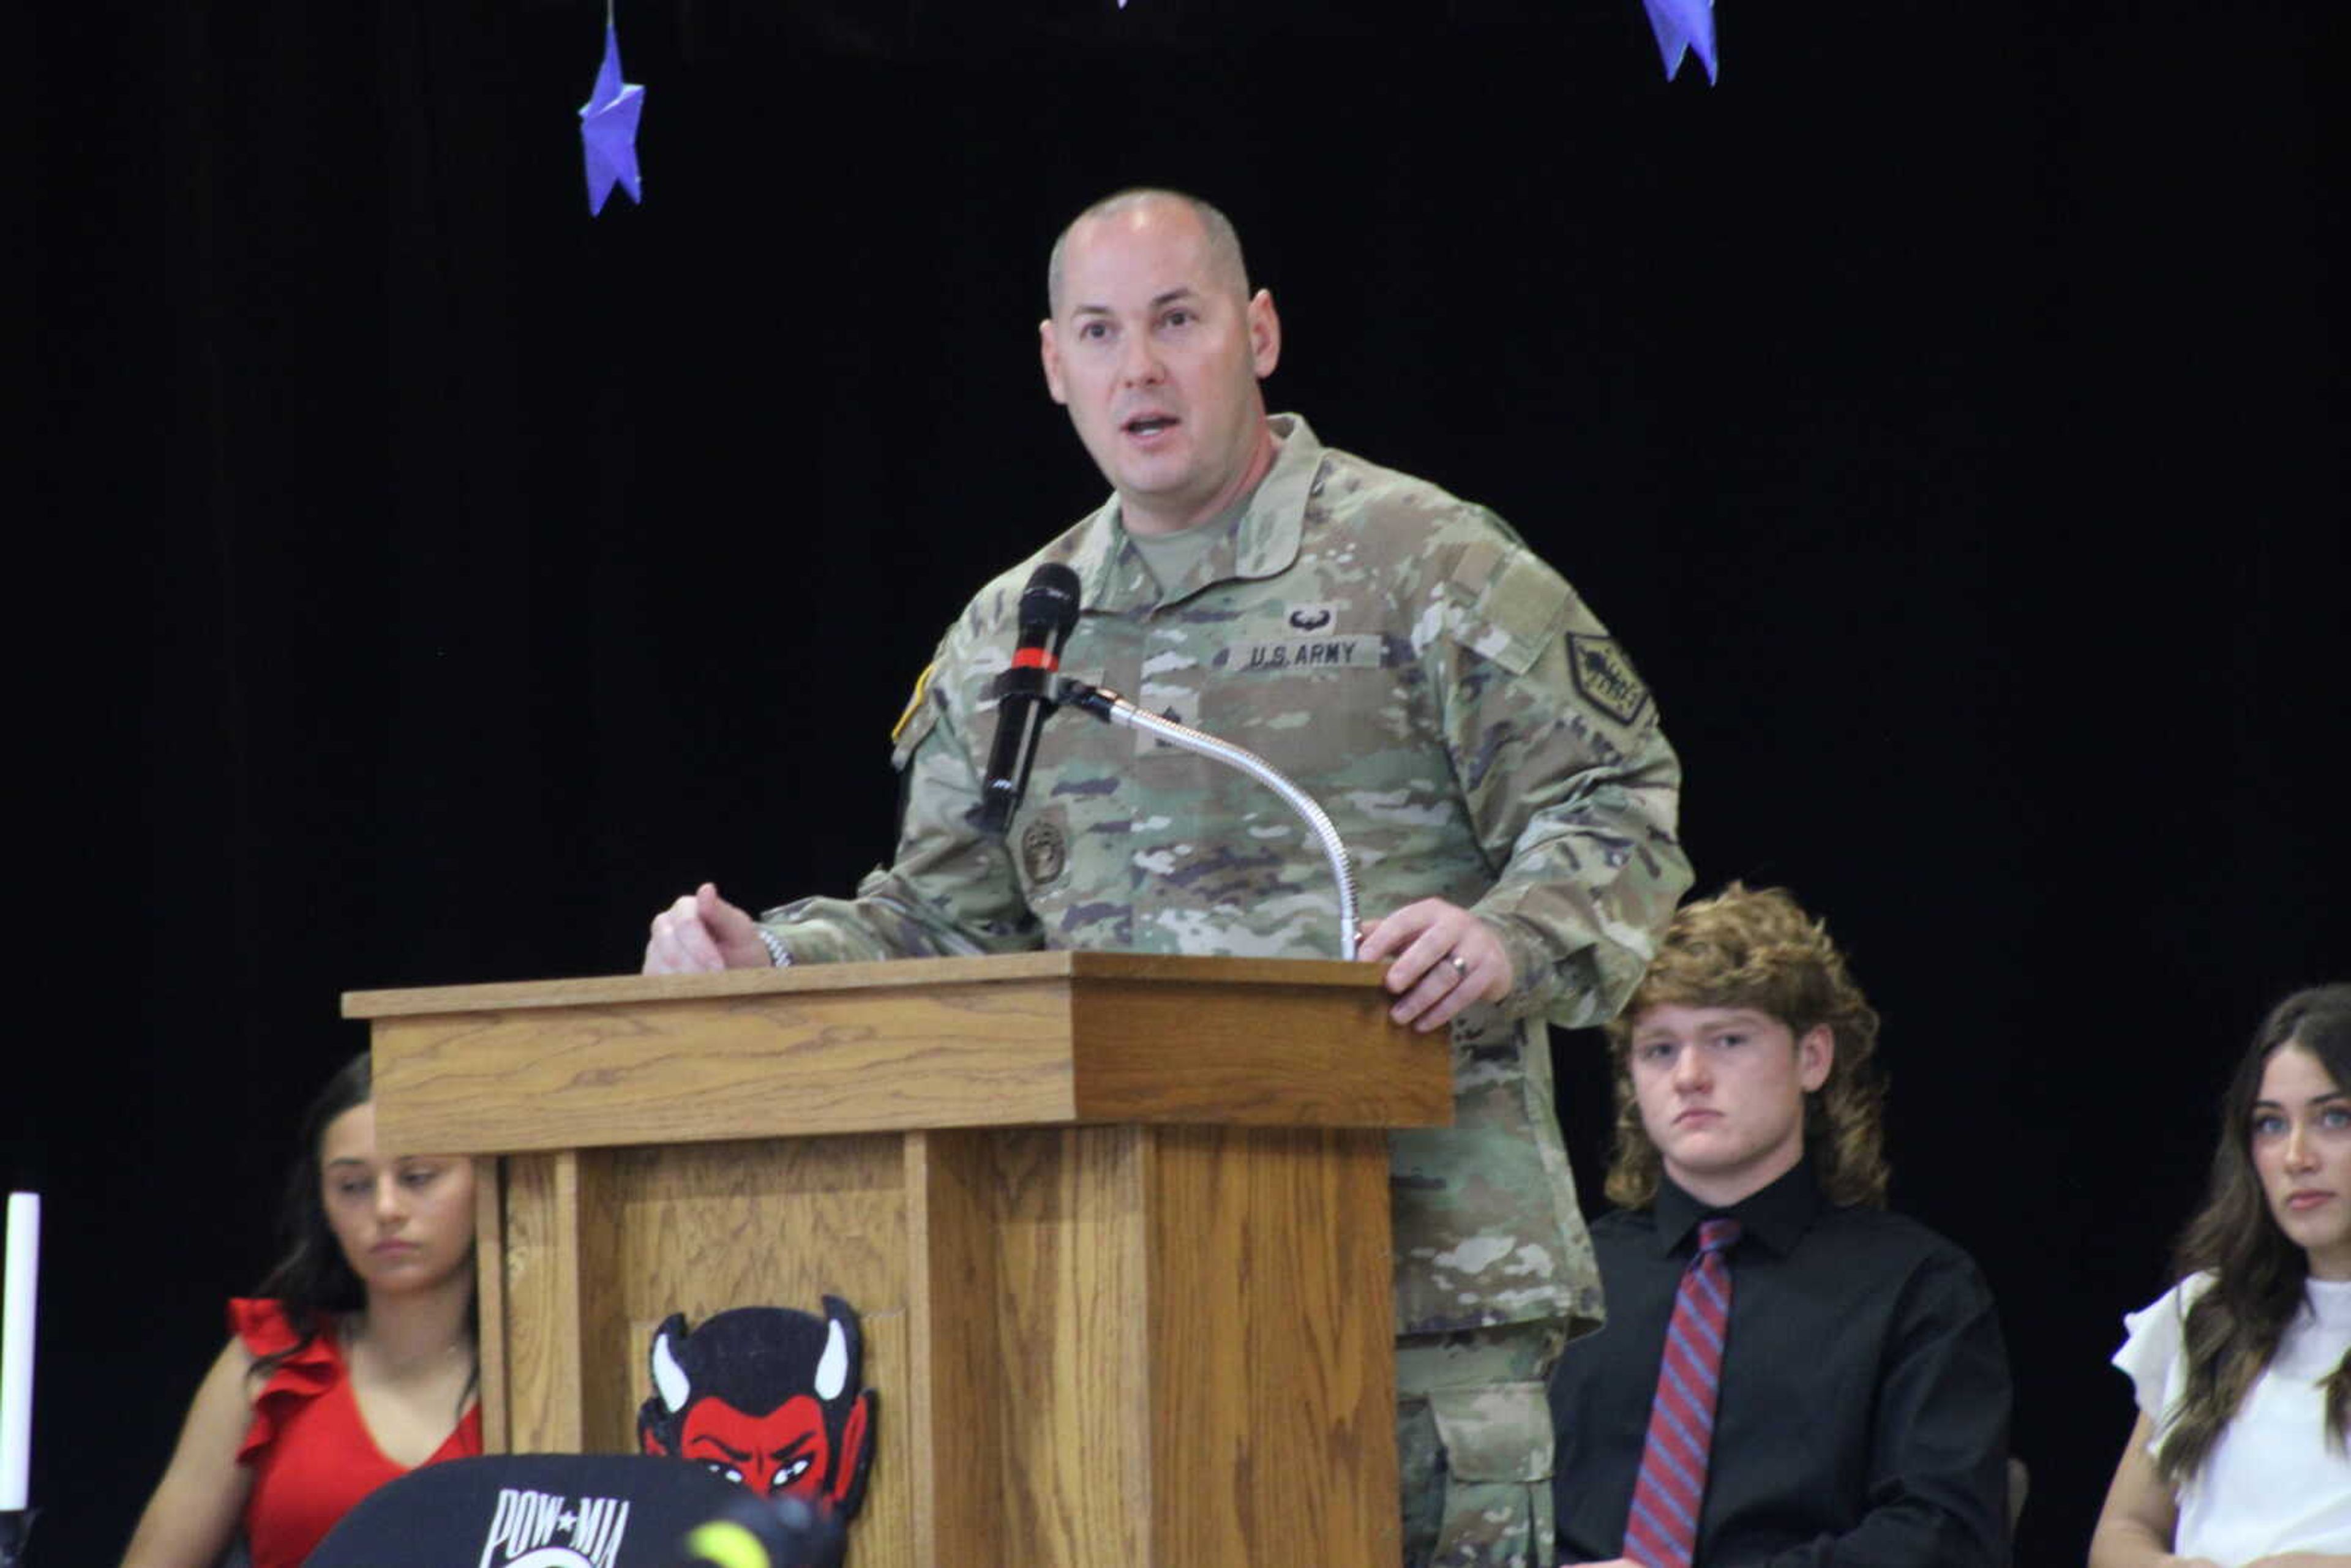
(490, 1299)
(706, 1227)
(1074, 1434)
(542, 1297)
(1273, 1372)
(882, 1533)
(958, 1381)
(795, 1063)
(1165, 1051)
(605, 1404)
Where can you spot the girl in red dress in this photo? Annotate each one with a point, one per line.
(355, 1366)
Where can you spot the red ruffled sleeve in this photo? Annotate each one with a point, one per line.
(264, 1329)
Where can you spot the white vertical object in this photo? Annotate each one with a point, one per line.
(17, 1350)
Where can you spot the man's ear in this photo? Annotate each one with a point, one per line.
(1815, 1055)
(1265, 334)
(1048, 349)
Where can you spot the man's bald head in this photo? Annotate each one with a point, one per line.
(1224, 243)
(1156, 346)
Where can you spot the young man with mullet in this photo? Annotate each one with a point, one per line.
(1789, 1375)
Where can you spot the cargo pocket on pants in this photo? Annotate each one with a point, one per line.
(1498, 1447)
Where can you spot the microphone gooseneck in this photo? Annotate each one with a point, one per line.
(1112, 708)
(1029, 692)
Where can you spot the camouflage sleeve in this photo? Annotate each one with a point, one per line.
(1570, 781)
(950, 890)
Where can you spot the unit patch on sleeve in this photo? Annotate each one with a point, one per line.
(1604, 675)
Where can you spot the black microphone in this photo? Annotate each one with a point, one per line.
(1048, 609)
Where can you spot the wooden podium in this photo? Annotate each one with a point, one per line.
(1116, 1226)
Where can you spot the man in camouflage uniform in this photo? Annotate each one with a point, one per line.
(1488, 755)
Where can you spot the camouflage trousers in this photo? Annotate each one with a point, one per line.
(1474, 1442)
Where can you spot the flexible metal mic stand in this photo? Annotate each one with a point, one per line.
(1112, 708)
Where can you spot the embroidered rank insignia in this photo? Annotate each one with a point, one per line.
(1605, 678)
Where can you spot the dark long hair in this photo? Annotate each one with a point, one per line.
(2233, 1331)
(312, 1281)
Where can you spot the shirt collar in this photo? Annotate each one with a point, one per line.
(1778, 1215)
(1264, 541)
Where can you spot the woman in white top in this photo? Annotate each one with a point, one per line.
(2239, 1455)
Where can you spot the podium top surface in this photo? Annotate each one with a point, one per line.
(895, 974)
(1021, 1039)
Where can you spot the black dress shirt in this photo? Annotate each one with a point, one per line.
(1862, 1417)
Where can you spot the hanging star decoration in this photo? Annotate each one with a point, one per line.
(1683, 27)
(608, 128)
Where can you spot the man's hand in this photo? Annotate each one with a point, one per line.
(702, 933)
(1445, 959)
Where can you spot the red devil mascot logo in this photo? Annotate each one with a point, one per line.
(768, 1397)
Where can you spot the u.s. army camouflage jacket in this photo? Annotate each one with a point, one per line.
(1469, 727)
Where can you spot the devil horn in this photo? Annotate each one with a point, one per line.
(832, 1367)
(669, 1377)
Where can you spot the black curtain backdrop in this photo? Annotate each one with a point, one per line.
(424, 582)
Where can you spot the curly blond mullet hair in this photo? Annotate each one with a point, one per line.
(1759, 949)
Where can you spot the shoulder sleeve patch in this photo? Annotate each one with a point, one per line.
(917, 720)
(1519, 607)
(1605, 678)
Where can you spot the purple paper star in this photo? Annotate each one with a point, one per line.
(608, 129)
(1683, 27)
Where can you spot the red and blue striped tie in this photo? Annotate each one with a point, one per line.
(1662, 1532)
